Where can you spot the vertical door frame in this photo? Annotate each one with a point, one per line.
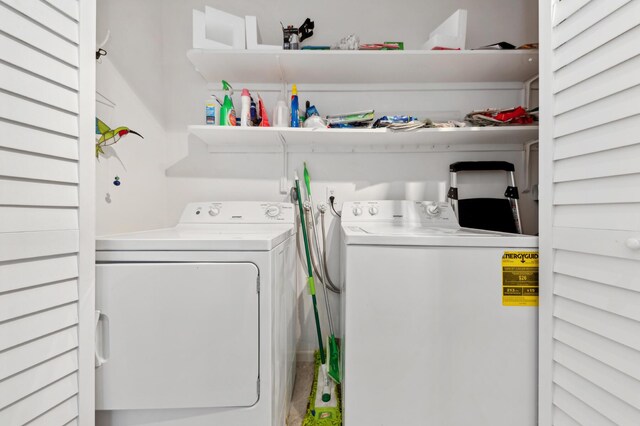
(545, 333)
(87, 212)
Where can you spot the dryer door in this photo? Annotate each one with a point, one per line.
(176, 335)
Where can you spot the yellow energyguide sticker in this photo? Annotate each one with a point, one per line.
(520, 278)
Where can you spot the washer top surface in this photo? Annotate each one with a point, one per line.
(417, 223)
(213, 226)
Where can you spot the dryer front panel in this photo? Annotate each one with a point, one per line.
(177, 335)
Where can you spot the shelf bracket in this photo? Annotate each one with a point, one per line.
(284, 180)
(527, 166)
(527, 91)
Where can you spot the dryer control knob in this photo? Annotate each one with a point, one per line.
(272, 211)
(373, 210)
(432, 209)
(214, 211)
(357, 211)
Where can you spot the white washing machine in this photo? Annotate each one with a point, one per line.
(197, 322)
(426, 337)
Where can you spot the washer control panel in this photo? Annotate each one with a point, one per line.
(428, 213)
(238, 212)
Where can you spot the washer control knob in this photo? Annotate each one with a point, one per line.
(432, 209)
(214, 211)
(272, 211)
(357, 211)
(373, 210)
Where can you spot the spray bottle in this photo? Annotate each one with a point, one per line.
(295, 117)
(210, 110)
(227, 111)
(245, 113)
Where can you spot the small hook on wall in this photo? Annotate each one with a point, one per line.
(100, 52)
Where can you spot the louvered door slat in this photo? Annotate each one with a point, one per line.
(28, 31)
(585, 18)
(577, 411)
(606, 404)
(37, 141)
(40, 12)
(608, 29)
(37, 404)
(590, 212)
(33, 353)
(47, 122)
(38, 63)
(20, 83)
(608, 136)
(619, 217)
(620, 357)
(21, 330)
(611, 326)
(599, 60)
(33, 272)
(61, 414)
(603, 269)
(21, 385)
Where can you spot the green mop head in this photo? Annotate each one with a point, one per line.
(325, 415)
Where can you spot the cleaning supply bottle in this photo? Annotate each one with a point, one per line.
(210, 111)
(262, 113)
(255, 119)
(245, 114)
(281, 116)
(227, 111)
(295, 117)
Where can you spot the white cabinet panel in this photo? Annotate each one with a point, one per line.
(177, 335)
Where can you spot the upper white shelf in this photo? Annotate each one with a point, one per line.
(365, 67)
(277, 140)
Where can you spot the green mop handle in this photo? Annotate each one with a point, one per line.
(307, 180)
(312, 287)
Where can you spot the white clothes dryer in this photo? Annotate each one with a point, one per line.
(427, 338)
(196, 323)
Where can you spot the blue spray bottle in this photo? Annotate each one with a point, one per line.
(295, 117)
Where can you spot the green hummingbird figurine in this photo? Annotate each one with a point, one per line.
(110, 136)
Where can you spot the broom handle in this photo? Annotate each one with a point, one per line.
(312, 287)
(307, 181)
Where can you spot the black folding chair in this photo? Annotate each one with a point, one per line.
(493, 214)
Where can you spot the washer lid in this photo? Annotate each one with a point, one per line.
(419, 235)
(194, 237)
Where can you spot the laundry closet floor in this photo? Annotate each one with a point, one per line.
(301, 391)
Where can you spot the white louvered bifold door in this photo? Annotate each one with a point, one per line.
(47, 92)
(590, 212)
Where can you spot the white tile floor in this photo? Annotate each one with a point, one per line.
(301, 391)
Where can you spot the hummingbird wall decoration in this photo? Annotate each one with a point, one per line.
(110, 136)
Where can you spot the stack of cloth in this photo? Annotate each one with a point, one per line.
(502, 117)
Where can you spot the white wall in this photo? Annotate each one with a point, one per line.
(141, 199)
(196, 175)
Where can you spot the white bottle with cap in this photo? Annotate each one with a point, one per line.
(281, 114)
(245, 115)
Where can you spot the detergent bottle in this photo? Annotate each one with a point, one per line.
(245, 113)
(227, 111)
(295, 115)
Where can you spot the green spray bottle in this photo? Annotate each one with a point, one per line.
(227, 111)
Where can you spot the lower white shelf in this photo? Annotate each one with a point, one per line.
(276, 140)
